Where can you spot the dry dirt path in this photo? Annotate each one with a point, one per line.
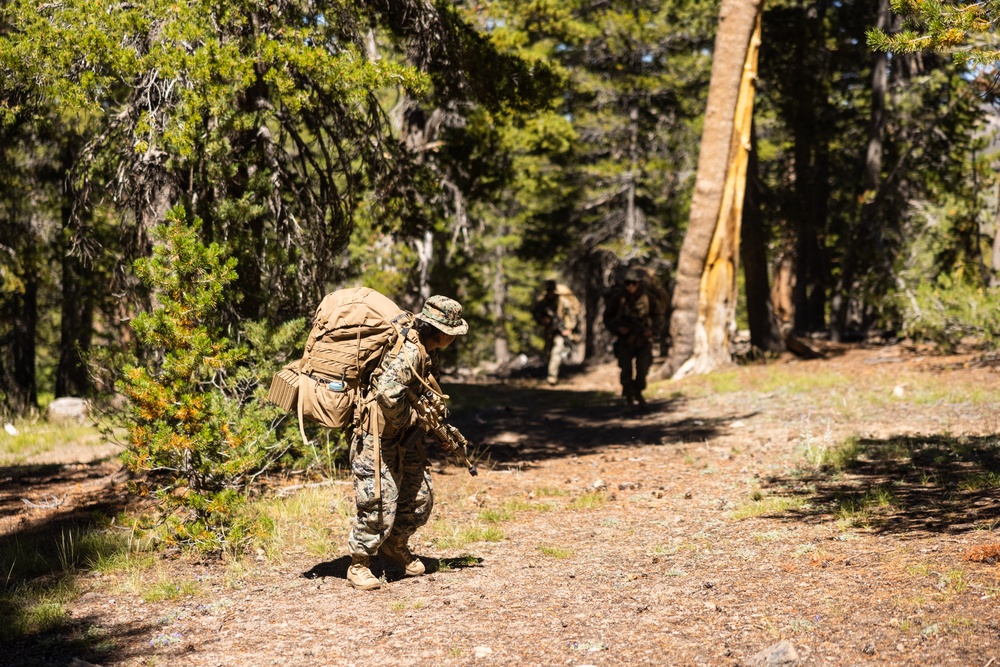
(696, 534)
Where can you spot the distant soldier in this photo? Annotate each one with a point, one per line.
(557, 310)
(632, 316)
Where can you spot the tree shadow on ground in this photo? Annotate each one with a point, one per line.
(41, 560)
(528, 425)
(337, 569)
(88, 638)
(21, 480)
(903, 484)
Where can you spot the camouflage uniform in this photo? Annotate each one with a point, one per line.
(557, 310)
(406, 489)
(407, 493)
(637, 313)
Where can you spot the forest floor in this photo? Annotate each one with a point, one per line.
(848, 506)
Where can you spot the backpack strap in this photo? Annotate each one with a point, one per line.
(417, 375)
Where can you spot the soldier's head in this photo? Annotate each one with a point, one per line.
(550, 286)
(440, 321)
(632, 280)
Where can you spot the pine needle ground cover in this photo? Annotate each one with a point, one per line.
(848, 506)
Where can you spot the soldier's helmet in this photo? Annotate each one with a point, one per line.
(633, 276)
(550, 285)
(444, 314)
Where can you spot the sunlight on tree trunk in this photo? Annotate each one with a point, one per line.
(704, 302)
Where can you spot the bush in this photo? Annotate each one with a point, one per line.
(949, 310)
(199, 431)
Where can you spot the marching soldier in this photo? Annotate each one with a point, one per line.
(557, 310)
(632, 316)
(384, 525)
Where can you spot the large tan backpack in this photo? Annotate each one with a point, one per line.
(353, 330)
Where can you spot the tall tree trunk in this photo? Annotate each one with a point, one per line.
(425, 260)
(704, 299)
(841, 303)
(498, 308)
(810, 109)
(995, 255)
(765, 332)
(77, 318)
(23, 396)
(632, 224)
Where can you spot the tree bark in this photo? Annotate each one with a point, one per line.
(498, 309)
(703, 313)
(77, 319)
(765, 331)
(23, 396)
(841, 302)
(811, 171)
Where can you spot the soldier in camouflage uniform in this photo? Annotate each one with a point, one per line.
(384, 527)
(633, 318)
(557, 311)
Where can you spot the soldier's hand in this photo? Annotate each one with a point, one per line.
(623, 330)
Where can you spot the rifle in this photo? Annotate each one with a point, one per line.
(431, 413)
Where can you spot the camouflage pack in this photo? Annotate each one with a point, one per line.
(352, 332)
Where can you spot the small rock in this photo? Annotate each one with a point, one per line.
(68, 410)
(868, 649)
(782, 654)
(598, 485)
(898, 391)
(10, 429)
(482, 651)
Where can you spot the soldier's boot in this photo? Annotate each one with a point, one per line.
(401, 556)
(640, 401)
(359, 574)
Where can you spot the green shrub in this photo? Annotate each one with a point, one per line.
(199, 431)
(948, 310)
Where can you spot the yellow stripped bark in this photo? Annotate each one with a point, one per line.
(717, 305)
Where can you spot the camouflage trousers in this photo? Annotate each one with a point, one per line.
(556, 349)
(634, 362)
(407, 494)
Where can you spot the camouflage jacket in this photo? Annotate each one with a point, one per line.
(397, 379)
(557, 311)
(636, 313)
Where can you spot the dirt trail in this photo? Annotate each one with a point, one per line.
(623, 542)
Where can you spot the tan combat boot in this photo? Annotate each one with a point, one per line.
(359, 574)
(401, 556)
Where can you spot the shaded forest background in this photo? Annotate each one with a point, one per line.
(471, 149)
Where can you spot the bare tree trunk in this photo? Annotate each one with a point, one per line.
(704, 296)
(841, 302)
(765, 332)
(995, 256)
(632, 230)
(501, 346)
(77, 319)
(23, 395)
(425, 260)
